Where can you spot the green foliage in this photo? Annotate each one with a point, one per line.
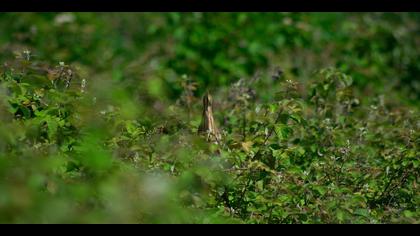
(110, 134)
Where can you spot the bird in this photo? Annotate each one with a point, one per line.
(208, 126)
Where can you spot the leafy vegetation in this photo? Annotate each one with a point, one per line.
(318, 113)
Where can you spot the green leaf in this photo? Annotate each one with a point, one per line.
(340, 215)
(408, 213)
(362, 212)
(25, 111)
(283, 131)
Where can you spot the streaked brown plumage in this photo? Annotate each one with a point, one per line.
(208, 126)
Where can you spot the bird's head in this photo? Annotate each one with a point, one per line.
(207, 100)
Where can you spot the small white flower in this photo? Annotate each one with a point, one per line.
(83, 85)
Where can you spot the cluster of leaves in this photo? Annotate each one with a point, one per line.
(325, 158)
(218, 48)
(111, 136)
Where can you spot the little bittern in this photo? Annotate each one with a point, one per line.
(208, 126)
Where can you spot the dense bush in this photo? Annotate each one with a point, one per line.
(319, 116)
